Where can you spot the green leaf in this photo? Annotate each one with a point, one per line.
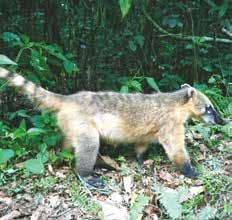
(132, 46)
(172, 22)
(124, 89)
(38, 62)
(140, 40)
(34, 166)
(5, 155)
(138, 207)
(69, 66)
(51, 140)
(136, 84)
(35, 131)
(4, 60)
(11, 38)
(55, 51)
(43, 157)
(37, 121)
(211, 80)
(66, 155)
(152, 83)
(223, 8)
(18, 133)
(125, 6)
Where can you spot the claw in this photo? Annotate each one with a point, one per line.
(189, 172)
(95, 181)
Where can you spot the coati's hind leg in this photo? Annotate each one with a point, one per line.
(86, 151)
(140, 150)
(173, 144)
(84, 139)
(86, 148)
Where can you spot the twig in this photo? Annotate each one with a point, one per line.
(11, 215)
(227, 32)
(61, 213)
(181, 36)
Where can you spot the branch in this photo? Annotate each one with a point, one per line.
(182, 36)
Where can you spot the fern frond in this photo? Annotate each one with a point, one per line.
(170, 199)
(138, 206)
(207, 213)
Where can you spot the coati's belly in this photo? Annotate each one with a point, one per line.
(114, 129)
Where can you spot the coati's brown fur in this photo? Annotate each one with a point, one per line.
(87, 117)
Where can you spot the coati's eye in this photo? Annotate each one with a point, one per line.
(208, 109)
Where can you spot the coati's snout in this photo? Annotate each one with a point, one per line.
(201, 107)
(212, 117)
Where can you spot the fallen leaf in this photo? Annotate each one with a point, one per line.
(60, 175)
(2, 194)
(12, 215)
(116, 197)
(166, 176)
(27, 197)
(6, 200)
(192, 192)
(106, 161)
(50, 169)
(112, 212)
(148, 162)
(54, 201)
(197, 136)
(155, 217)
(195, 190)
(36, 214)
(203, 148)
(128, 183)
(20, 165)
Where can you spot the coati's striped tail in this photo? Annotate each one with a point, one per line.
(41, 97)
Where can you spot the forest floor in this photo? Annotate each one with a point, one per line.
(154, 191)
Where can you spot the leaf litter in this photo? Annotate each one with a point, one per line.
(131, 195)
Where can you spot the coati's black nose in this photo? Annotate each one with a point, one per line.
(218, 120)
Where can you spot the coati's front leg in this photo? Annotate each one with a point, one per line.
(173, 144)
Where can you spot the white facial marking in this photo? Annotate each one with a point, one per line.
(208, 119)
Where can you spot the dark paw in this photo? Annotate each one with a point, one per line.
(95, 181)
(140, 160)
(189, 172)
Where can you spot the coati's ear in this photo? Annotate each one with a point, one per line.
(185, 86)
(190, 90)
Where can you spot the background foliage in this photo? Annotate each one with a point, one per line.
(73, 45)
(120, 45)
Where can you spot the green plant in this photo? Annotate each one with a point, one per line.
(29, 142)
(171, 199)
(207, 213)
(45, 183)
(81, 197)
(138, 206)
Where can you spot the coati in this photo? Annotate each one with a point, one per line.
(87, 117)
